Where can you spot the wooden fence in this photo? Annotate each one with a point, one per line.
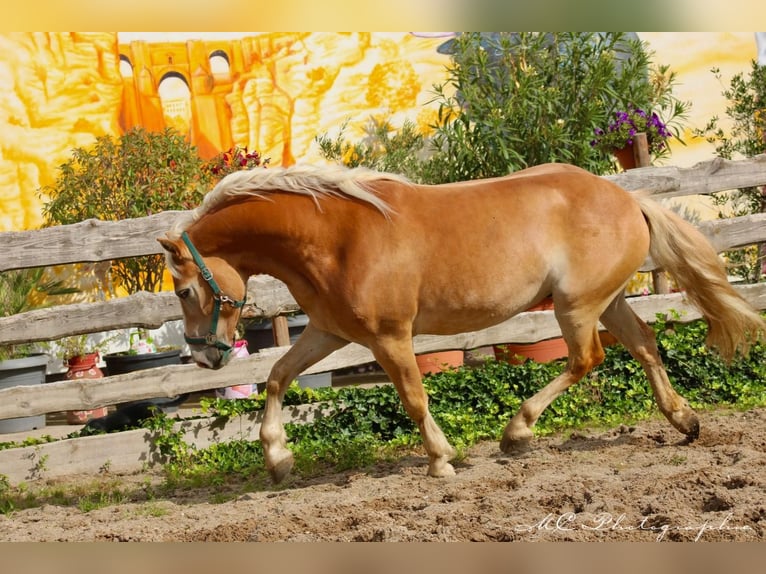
(93, 241)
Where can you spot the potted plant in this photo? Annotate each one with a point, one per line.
(618, 137)
(81, 355)
(23, 364)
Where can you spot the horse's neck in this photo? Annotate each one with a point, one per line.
(258, 237)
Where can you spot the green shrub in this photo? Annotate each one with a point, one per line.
(475, 403)
(137, 174)
(514, 100)
(746, 137)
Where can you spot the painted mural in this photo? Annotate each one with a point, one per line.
(272, 92)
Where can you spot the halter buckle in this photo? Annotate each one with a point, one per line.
(225, 299)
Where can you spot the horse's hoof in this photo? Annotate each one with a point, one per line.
(694, 432)
(281, 468)
(516, 445)
(687, 424)
(440, 469)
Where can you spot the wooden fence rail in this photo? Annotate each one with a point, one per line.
(173, 380)
(98, 241)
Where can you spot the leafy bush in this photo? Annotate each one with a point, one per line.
(514, 100)
(746, 137)
(475, 403)
(138, 174)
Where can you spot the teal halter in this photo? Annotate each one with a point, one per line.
(211, 339)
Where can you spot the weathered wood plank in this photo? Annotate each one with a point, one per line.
(706, 177)
(266, 298)
(131, 450)
(173, 380)
(90, 240)
(725, 234)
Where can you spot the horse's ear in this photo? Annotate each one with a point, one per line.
(170, 246)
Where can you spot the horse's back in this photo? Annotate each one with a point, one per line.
(481, 251)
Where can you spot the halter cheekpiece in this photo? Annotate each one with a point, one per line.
(211, 339)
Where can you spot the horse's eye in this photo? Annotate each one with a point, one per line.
(183, 293)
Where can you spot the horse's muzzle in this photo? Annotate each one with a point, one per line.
(211, 357)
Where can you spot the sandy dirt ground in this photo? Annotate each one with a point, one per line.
(631, 483)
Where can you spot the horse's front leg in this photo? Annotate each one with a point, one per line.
(312, 346)
(398, 360)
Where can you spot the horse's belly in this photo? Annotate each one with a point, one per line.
(451, 321)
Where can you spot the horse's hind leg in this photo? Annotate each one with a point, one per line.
(585, 352)
(312, 346)
(640, 341)
(398, 360)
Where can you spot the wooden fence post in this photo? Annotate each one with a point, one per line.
(281, 331)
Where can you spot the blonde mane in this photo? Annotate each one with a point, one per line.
(314, 181)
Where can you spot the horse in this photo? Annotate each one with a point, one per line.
(376, 259)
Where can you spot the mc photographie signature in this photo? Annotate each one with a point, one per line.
(606, 522)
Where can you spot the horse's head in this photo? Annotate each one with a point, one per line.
(212, 294)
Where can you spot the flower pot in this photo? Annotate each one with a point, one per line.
(118, 364)
(261, 336)
(439, 361)
(540, 352)
(625, 157)
(78, 368)
(23, 372)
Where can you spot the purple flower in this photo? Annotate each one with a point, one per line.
(626, 124)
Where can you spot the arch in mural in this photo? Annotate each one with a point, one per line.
(175, 96)
(126, 66)
(220, 65)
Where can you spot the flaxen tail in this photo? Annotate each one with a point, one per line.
(680, 249)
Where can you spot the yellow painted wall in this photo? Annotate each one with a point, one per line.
(61, 90)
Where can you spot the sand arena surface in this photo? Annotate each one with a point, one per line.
(630, 483)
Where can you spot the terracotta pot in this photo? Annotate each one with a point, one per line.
(544, 305)
(541, 352)
(439, 361)
(625, 157)
(84, 367)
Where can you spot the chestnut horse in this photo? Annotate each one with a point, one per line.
(375, 259)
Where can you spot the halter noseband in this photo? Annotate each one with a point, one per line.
(211, 339)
